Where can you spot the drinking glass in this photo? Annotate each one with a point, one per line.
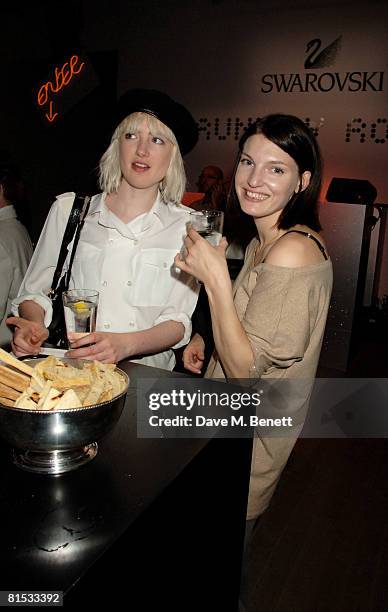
(80, 307)
(209, 224)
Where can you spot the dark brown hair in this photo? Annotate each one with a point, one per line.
(297, 140)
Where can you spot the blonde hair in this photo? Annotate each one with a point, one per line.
(171, 187)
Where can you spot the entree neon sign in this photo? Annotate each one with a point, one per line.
(62, 78)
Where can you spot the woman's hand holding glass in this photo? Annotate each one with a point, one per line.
(202, 260)
(107, 347)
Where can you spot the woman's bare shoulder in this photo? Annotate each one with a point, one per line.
(294, 250)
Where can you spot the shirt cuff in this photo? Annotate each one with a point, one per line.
(42, 300)
(179, 318)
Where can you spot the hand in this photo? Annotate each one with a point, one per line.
(28, 336)
(194, 354)
(204, 261)
(106, 347)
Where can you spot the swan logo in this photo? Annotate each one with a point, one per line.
(318, 58)
(322, 82)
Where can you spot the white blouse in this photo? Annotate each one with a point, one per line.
(131, 265)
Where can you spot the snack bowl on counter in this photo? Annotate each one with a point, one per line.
(57, 424)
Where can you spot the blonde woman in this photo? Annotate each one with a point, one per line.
(127, 245)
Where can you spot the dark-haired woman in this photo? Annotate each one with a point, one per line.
(270, 324)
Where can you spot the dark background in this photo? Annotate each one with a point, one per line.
(63, 155)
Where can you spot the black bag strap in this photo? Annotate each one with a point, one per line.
(80, 225)
(74, 225)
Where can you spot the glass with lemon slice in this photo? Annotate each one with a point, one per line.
(80, 307)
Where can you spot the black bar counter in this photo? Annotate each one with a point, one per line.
(148, 522)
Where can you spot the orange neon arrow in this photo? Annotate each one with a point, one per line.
(51, 116)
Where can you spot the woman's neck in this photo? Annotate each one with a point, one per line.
(267, 230)
(128, 203)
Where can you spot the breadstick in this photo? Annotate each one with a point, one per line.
(7, 402)
(15, 363)
(13, 379)
(9, 393)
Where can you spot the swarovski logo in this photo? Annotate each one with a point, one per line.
(322, 82)
(324, 58)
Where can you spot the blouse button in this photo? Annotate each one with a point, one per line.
(164, 264)
(104, 283)
(129, 283)
(131, 324)
(106, 324)
(135, 242)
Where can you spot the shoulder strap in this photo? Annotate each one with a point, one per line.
(79, 209)
(309, 236)
(84, 212)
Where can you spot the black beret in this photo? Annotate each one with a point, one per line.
(161, 106)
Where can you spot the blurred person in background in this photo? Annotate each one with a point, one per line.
(15, 245)
(210, 182)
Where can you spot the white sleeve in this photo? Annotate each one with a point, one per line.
(182, 301)
(39, 275)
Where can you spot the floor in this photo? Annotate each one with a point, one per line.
(322, 546)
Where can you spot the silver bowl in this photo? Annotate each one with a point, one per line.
(53, 442)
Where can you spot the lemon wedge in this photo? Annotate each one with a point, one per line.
(80, 306)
